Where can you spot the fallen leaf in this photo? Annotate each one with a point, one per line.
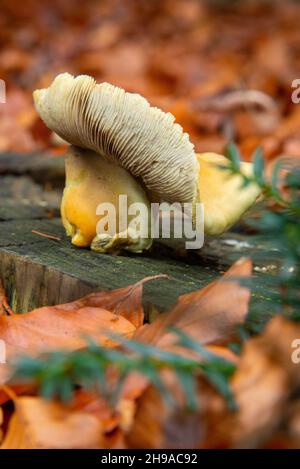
(122, 415)
(40, 424)
(199, 314)
(1, 422)
(209, 315)
(126, 301)
(17, 390)
(266, 389)
(49, 329)
(265, 382)
(162, 426)
(67, 326)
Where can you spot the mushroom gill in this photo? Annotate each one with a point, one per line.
(122, 127)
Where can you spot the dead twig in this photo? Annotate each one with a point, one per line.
(4, 305)
(45, 235)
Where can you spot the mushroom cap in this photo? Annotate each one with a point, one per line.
(123, 127)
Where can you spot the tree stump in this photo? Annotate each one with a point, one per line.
(38, 271)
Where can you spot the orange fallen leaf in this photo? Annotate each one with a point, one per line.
(17, 390)
(1, 422)
(187, 315)
(161, 426)
(48, 328)
(223, 352)
(67, 326)
(209, 315)
(122, 415)
(126, 301)
(265, 380)
(40, 424)
(91, 402)
(265, 385)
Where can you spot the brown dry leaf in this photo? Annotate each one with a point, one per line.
(266, 388)
(67, 326)
(288, 164)
(48, 328)
(160, 426)
(123, 414)
(16, 390)
(223, 352)
(164, 50)
(264, 383)
(209, 315)
(126, 302)
(40, 424)
(292, 425)
(17, 115)
(93, 403)
(1, 422)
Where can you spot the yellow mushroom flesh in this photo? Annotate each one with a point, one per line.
(221, 193)
(92, 180)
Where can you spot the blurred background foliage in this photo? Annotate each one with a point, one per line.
(223, 68)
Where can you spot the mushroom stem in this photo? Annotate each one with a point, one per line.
(92, 180)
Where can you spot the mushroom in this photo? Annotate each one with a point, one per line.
(122, 145)
(91, 180)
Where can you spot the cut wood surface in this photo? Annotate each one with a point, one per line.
(37, 270)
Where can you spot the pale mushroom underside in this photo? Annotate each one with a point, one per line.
(123, 127)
